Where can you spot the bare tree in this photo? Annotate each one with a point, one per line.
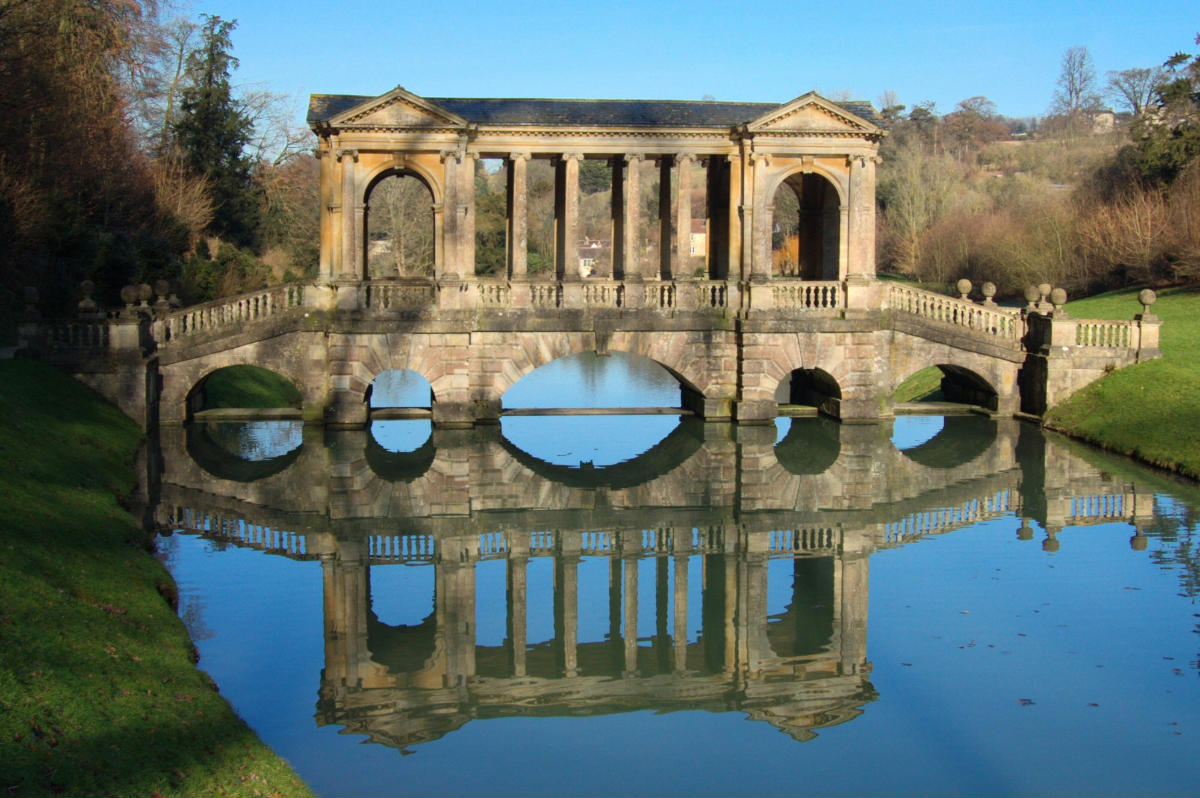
(1134, 88)
(1076, 91)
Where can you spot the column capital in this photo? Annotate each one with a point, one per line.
(342, 153)
(684, 157)
(631, 157)
(518, 156)
(760, 157)
(571, 156)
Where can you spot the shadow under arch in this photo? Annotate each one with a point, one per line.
(813, 387)
(811, 446)
(666, 455)
(242, 385)
(400, 466)
(961, 440)
(805, 212)
(208, 453)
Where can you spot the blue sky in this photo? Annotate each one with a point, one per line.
(761, 52)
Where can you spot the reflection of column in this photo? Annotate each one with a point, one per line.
(681, 612)
(566, 609)
(752, 623)
(682, 266)
(344, 583)
(632, 243)
(661, 609)
(631, 615)
(566, 205)
(517, 596)
(853, 601)
(456, 600)
(518, 215)
(345, 270)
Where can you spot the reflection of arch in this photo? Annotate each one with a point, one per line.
(806, 226)
(400, 466)
(416, 256)
(662, 458)
(206, 450)
(805, 627)
(811, 446)
(962, 439)
(402, 649)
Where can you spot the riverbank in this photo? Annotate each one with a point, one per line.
(1149, 411)
(98, 690)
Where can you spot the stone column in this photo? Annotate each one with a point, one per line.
(757, 253)
(566, 213)
(448, 230)
(466, 214)
(859, 219)
(518, 216)
(668, 257)
(682, 265)
(349, 203)
(736, 222)
(631, 243)
(329, 213)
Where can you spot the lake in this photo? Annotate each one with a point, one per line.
(655, 605)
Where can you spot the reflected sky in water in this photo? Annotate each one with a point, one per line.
(591, 380)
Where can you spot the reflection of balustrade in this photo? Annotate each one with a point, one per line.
(235, 311)
(947, 519)
(822, 540)
(1002, 324)
(400, 548)
(793, 295)
(241, 532)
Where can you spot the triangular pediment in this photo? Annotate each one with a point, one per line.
(811, 113)
(398, 108)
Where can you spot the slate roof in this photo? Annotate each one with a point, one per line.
(589, 113)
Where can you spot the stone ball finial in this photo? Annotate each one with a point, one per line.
(1147, 298)
(161, 288)
(129, 294)
(1032, 295)
(145, 293)
(964, 287)
(87, 304)
(1051, 544)
(1044, 291)
(1058, 298)
(988, 289)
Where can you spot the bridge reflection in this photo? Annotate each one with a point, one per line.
(677, 550)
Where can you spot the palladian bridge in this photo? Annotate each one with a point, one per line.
(735, 247)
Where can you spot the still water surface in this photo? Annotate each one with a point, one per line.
(654, 606)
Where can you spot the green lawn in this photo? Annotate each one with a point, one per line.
(249, 386)
(98, 692)
(1150, 411)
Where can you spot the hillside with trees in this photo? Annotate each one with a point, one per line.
(1083, 198)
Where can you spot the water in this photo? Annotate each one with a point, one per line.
(934, 607)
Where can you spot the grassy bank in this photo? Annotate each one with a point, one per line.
(1150, 411)
(249, 386)
(98, 693)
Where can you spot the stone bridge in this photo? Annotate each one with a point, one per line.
(735, 247)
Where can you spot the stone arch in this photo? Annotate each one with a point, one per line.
(961, 382)
(373, 256)
(183, 385)
(806, 225)
(811, 386)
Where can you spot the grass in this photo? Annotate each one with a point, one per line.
(98, 691)
(1150, 411)
(924, 386)
(249, 386)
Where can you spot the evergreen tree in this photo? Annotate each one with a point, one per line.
(212, 132)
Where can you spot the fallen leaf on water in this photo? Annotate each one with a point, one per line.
(1025, 702)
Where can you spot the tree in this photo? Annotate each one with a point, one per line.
(1076, 93)
(1168, 135)
(1134, 89)
(213, 131)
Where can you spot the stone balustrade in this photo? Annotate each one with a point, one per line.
(1104, 333)
(401, 295)
(230, 312)
(994, 321)
(811, 296)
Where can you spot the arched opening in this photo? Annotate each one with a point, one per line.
(245, 388)
(960, 440)
(399, 227)
(809, 388)
(806, 228)
(398, 637)
(593, 410)
(944, 383)
(399, 407)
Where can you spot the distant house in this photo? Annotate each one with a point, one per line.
(594, 257)
(698, 241)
